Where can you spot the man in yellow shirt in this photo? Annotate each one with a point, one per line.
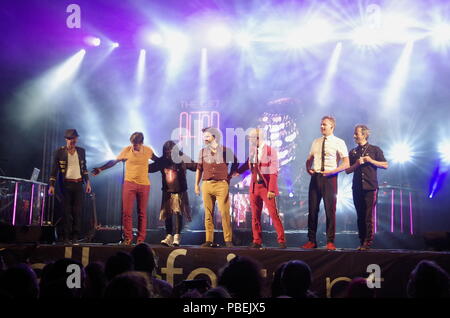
(136, 185)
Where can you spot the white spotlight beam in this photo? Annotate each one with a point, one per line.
(398, 78)
(203, 74)
(140, 70)
(46, 88)
(324, 93)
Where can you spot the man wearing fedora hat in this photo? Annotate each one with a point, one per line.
(69, 162)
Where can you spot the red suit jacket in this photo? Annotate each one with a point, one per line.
(266, 167)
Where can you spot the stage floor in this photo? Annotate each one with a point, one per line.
(331, 269)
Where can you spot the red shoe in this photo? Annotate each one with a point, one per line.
(331, 246)
(309, 245)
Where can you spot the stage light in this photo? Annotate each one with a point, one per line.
(115, 45)
(344, 197)
(176, 41)
(291, 195)
(366, 36)
(317, 31)
(444, 151)
(441, 34)
(389, 28)
(93, 41)
(219, 36)
(400, 153)
(156, 39)
(313, 32)
(243, 39)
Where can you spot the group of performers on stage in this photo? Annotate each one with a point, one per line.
(327, 158)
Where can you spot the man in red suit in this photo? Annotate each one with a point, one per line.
(263, 164)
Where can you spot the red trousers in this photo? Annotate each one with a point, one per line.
(134, 192)
(257, 198)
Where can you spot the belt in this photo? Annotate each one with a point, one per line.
(211, 180)
(74, 180)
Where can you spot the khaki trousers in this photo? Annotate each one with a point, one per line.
(213, 191)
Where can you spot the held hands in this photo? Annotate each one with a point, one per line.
(270, 195)
(88, 188)
(95, 171)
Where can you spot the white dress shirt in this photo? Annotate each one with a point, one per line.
(73, 166)
(335, 150)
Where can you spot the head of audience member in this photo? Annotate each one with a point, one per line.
(358, 288)
(144, 258)
(428, 280)
(117, 264)
(217, 292)
(95, 280)
(242, 278)
(19, 282)
(276, 287)
(296, 278)
(55, 277)
(129, 285)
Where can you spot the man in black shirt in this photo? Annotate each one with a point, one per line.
(365, 159)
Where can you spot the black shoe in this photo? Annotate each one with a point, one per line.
(207, 244)
(282, 245)
(229, 244)
(255, 245)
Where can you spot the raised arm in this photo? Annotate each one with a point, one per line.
(109, 164)
(154, 166)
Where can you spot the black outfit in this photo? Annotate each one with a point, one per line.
(365, 189)
(72, 190)
(175, 201)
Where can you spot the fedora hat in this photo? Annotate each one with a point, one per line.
(71, 133)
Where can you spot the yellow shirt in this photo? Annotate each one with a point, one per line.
(136, 164)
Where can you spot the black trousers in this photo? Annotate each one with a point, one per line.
(73, 203)
(325, 188)
(178, 223)
(365, 202)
